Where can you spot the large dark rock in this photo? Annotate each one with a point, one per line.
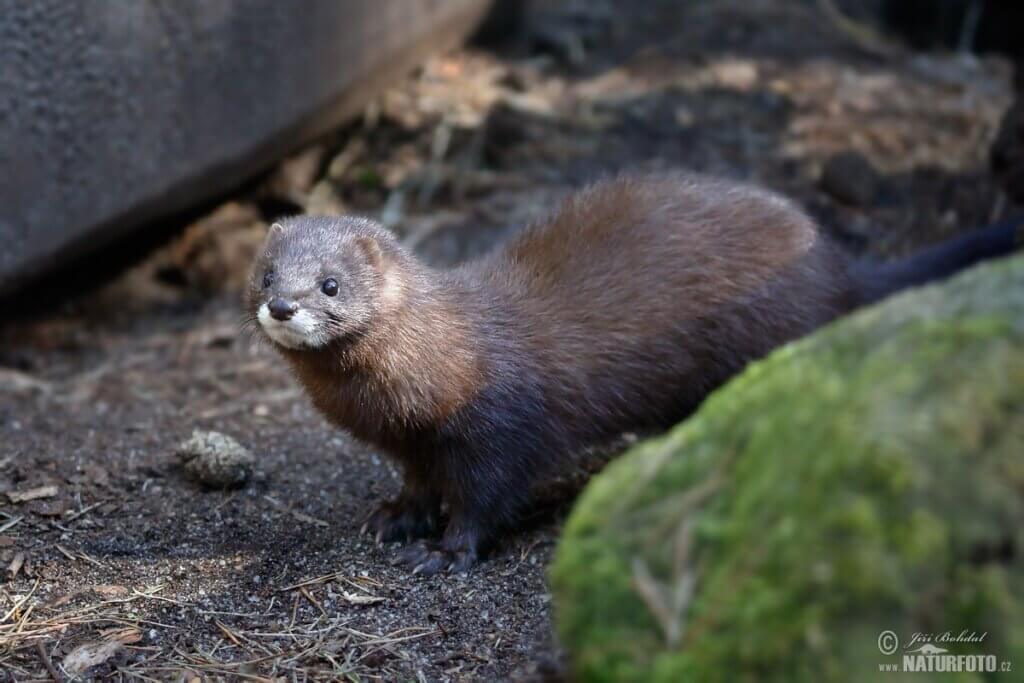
(854, 488)
(115, 113)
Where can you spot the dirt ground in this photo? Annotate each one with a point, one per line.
(118, 559)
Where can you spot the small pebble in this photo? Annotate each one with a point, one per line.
(215, 460)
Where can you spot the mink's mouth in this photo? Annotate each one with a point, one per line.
(301, 331)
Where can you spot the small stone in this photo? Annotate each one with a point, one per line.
(850, 178)
(215, 460)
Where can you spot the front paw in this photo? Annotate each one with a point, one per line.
(428, 558)
(400, 521)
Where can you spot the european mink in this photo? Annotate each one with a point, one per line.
(620, 312)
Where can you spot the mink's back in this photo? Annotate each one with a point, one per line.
(641, 294)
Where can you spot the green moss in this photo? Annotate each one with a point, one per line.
(867, 478)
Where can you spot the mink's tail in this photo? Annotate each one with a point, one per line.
(877, 280)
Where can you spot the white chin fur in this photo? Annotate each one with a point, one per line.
(299, 332)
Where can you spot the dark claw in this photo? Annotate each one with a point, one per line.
(414, 554)
(434, 563)
(462, 562)
(428, 559)
(398, 521)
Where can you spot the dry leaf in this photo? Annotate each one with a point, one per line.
(127, 636)
(15, 566)
(62, 599)
(91, 654)
(307, 519)
(356, 599)
(110, 591)
(95, 652)
(32, 494)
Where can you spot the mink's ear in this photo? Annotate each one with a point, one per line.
(276, 230)
(372, 250)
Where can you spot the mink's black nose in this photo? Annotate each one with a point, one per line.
(281, 309)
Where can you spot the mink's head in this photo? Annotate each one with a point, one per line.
(319, 280)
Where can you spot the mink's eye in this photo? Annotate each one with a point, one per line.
(330, 287)
(268, 278)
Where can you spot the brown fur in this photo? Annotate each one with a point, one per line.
(620, 313)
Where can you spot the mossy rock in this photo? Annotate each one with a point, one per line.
(869, 478)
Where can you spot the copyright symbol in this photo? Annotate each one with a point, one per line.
(887, 642)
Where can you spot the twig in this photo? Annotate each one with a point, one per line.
(75, 515)
(45, 657)
(152, 595)
(95, 563)
(863, 36)
(295, 612)
(64, 551)
(358, 586)
(21, 602)
(80, 556)
(226, 631)
(10, 523)
(391, 637)
(305, 592)
(309, 582)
